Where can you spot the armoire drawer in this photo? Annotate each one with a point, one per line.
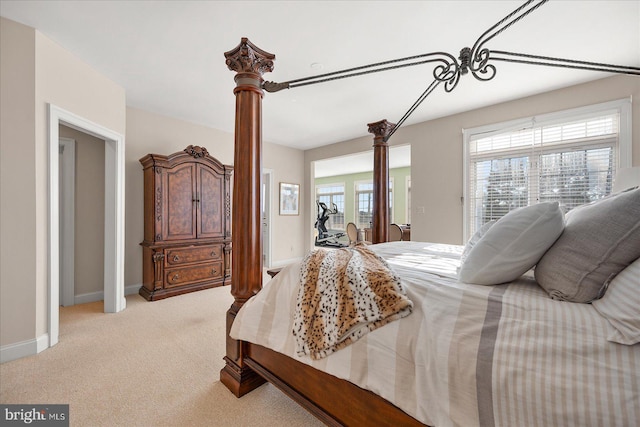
(188, 255)
(196, 273)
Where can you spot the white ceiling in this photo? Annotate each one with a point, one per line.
(399, 157)
(168, 55)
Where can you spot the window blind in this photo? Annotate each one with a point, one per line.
(571, 161)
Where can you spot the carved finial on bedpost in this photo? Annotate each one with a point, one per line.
(249, 62)
(380, 130)
(249, 58)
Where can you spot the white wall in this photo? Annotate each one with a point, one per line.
(153, 133)
(436, 146)
(17, 183)
(35, 72)
(65, 81)
(287, 232)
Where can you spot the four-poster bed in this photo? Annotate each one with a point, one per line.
(331, 393)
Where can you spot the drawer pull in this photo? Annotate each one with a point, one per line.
(214, 254)
(176, 258)
(175, 277)
(214, 271)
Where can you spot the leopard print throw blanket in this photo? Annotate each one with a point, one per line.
(344, 294)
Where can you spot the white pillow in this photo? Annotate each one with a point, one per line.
(620, 305)
(513, 245)
(476, 238)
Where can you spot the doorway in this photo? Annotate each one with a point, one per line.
(114, 300)
(82, 178)
(267, 175)
(348, 181)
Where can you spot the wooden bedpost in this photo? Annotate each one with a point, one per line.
(249, 62)
(380, 130)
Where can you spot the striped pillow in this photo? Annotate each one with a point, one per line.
(620, 305)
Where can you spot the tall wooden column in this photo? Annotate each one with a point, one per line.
(380, 130)
(249, 62)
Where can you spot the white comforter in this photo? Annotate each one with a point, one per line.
(470, 355)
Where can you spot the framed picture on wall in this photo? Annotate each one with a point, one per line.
(289, 199)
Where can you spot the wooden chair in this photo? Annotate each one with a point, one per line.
(395, 233)
(352, 233)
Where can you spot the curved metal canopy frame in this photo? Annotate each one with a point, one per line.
(448, 69)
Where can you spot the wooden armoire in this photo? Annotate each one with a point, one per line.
(187, 223)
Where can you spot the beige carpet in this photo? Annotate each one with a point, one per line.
(154, 364)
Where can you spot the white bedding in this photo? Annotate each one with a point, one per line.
(470, 355)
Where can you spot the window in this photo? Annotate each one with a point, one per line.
(364, 203)
(331, 194)
(569, 157)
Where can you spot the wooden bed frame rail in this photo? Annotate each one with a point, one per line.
(334, 401)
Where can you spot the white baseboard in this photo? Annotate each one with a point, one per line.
(24, 348)
(30, 347)
(42, 343)
(132, 289)
(99, 296)
(88, 297)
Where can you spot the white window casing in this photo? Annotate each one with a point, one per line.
(569, 156)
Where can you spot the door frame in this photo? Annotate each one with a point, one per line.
(267, 175)
(67, 219)
(114, 300)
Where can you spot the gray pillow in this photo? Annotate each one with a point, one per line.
(599, 240)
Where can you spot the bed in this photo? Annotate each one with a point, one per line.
(469, 354)
(485, 355)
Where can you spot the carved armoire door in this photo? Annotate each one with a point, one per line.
(210, 195)
(180, 202)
